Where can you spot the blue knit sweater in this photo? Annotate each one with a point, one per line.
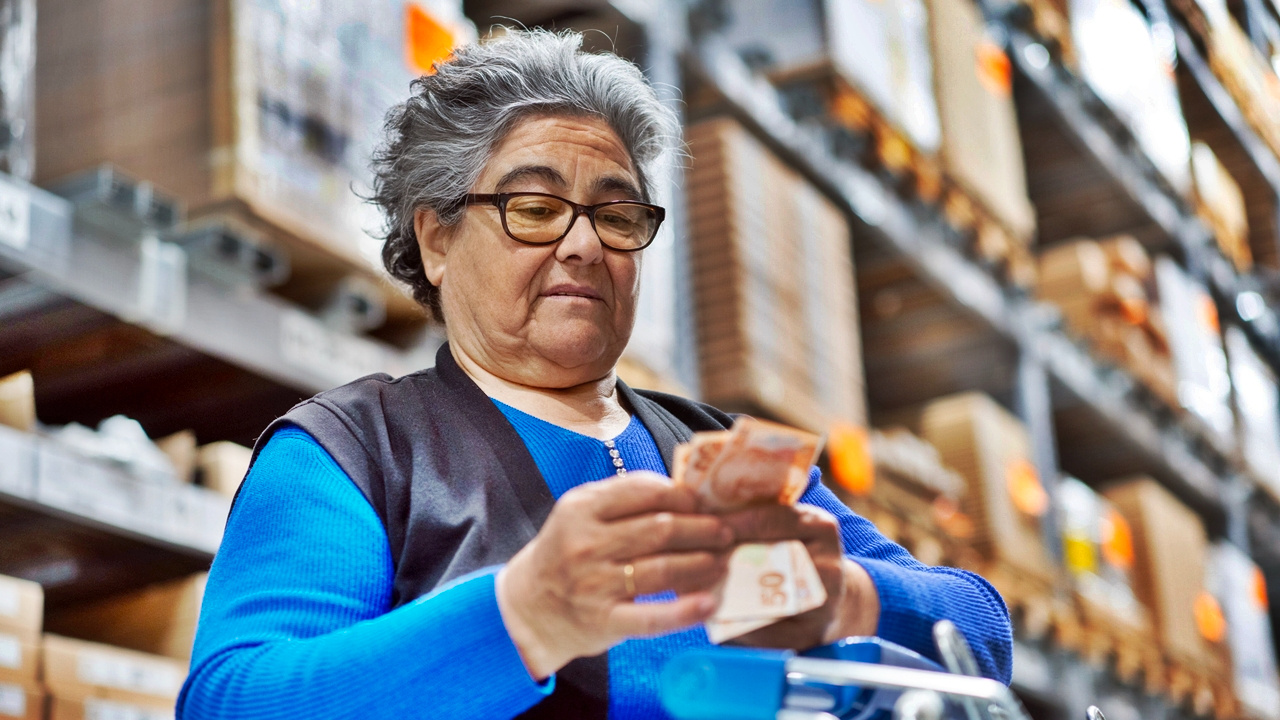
(297, 618)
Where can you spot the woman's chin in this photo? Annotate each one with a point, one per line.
(577, 346)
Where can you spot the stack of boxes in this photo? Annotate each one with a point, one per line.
(1102, 291)
(773, 285)
(1220, 204)
(1257, 404)
(87, 680)
(1238, 585)
(256, 111)
(21, 616)
(990, 448)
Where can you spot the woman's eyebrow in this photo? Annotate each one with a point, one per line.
(614, 183)
(541, 172)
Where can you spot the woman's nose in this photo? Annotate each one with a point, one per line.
(582, 244)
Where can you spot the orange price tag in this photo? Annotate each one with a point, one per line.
(427, 40)
(1117, 540)
(1024, 487)
(947, 514)
(1210, 621)
(849, 448)
(1260, 590)
(995, 72)
(1209, 314)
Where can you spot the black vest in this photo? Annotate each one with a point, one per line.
(457, 489)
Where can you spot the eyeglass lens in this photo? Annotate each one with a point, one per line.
(541, 219)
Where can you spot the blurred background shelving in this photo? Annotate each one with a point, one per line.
(1021, 260)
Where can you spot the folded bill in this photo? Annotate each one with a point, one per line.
(755, 462)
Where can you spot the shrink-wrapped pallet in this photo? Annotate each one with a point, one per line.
(1122, 60)
(773, 285)
(1257, 404)
(1237, 582)
(1191, 317)
(1097, 549)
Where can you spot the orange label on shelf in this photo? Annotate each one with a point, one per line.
(995, 72)
(1260, 590)
(947, 515)
(1024, 487)
(1210, 621)
(427, 40)
(1209, 314)
(1117, 540)
(849, 448)
(850, 110)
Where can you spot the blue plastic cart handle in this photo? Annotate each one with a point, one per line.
(725, 683)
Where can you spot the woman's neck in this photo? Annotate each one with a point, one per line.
(591, 408)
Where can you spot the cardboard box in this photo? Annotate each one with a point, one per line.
(76, 669)
(99, 709)
(180, 448)
(1220, 203)
(21, 702)
(18, 401)
(1238, 584)
(223, 466)
(981, 147)
(990, 448)
(19, 659)
(773, 285)
(1170, 549)
(21, 608)
(159, 619)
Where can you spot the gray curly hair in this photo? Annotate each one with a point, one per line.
(440, 139)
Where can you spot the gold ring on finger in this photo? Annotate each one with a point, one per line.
(629, 579)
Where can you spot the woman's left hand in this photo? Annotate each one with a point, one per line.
(852, 606)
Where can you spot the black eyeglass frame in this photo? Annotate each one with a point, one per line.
(499, 200)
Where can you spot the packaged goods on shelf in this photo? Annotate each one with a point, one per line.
(990, 448)
(897, 480)
(121, 441)
(1241, 590)
(159, 619)
(21, 702)
(1220, 203)
(99, 709)
(1097, 545)
(279, 127)
(879, 50)
(1170, 549)
(1242, 68)
(1257, 409)
(79, 670)
(180, 448)
(18, 401)
(1101, 290)
(773, 285)
(1195, 339)
(223, 465)
(1121, 60)
(21, 608)
(981, 148)
(17, 89)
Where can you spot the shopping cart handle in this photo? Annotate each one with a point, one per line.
(718, 683)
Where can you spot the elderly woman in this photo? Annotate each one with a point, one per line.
(495, 536)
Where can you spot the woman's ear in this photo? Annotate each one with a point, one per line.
(432, 243)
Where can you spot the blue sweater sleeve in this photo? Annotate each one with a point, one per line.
(296, 620)
(913, 596)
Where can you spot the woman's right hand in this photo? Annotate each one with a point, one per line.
(565, 594)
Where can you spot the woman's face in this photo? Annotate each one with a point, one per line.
(552, 315)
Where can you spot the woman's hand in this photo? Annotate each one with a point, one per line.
(565, 595)
(852, 606)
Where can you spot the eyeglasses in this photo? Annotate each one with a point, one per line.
(541, 219)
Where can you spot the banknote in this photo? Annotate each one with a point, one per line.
(767, 582)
